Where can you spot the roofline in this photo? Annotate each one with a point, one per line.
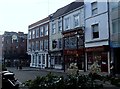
(69, 12)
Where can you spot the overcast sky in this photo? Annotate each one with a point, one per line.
(16, 15)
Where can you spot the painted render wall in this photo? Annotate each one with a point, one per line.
(102, 19)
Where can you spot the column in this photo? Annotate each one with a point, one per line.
(85, 61)
(45, 60)
(41, 60)
(37, 60)
(31, 63)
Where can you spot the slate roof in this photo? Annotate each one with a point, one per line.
(67, 8)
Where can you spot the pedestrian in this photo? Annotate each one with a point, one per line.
(112, 73)
(20, 66)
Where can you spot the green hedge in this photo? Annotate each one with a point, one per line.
(50, 81)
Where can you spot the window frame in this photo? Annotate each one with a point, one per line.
(37, 32)
(59, 25)
(78, 19)
(41, 31)
(41, 45)
(46, 30)
(53, 28)
(67, 23)
(94, 8)
(95, 32)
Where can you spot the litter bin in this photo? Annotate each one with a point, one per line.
(9, 81)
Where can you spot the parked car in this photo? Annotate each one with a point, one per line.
(9, 81)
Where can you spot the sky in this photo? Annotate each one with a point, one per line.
(16, 15)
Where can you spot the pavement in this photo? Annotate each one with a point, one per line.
(34, 71)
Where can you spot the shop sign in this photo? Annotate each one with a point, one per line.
(100, 48)
(73, 52)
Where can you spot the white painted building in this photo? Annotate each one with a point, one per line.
(97, 34)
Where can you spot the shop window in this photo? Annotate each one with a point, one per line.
(66, 43)
(58, 60)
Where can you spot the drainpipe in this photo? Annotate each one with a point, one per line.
(109, 53)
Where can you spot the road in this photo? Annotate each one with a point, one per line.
(30, 74)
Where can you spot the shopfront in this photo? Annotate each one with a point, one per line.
(73, 48)
(99, 54)
(74, 56)
(56, 60)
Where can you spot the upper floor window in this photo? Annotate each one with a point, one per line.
(45, 44)
(76, 20)
(60, 43)
(37, 32)
(41, 31)
(46, 30)
(29, 35)
(33, 46)
(116, 26)
(33, 34)
(41, 45)
(37, 45)
(53, 28)
(95, 30)
(94, 8)
(59, 26)
(54, 44)
(67, 23)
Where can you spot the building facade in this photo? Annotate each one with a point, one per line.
(73, 35)
(38, 43)
(114, 15)
(97, 34)
(58, 31)
(0, 53)
(15, 48)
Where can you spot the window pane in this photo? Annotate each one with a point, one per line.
(46, 30)
(53, 28)
(33, 34)
(76, 20)
(59, 25)
(41, 45)
(59, 43)
(94, 8)
(95, 31)
(41, 31)
(54, 44)
(66, 43)
(67, 23)
(37, 32)
(45, 44)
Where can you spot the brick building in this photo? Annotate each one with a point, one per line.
(14, 49)
(38, 43)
